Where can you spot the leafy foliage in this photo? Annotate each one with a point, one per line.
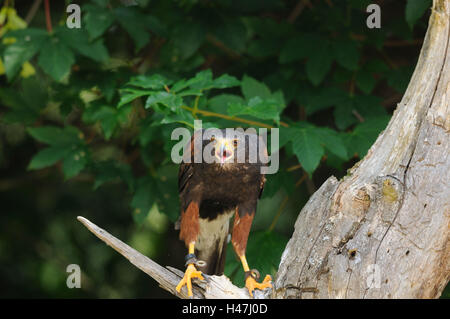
(101, 102)
(65, 144)
(415, 9)
(265, 248)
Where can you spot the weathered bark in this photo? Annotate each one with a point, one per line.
(383, 230)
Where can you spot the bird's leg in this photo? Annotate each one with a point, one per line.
(191, 271)
(251, 277)
(241, 230)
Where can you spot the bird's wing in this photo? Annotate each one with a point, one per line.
(261, 185)
(186, 169)
(184, 174)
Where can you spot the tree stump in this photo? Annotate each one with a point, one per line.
(383, 230)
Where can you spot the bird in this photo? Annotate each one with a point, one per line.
(211, 194)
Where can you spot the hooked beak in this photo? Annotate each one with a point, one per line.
(224, 151)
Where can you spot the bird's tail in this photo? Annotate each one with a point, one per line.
(215, 260)
(214, 254)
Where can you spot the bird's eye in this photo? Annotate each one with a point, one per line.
(235, 143)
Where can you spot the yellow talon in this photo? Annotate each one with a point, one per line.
(252, 284)
(191, 272)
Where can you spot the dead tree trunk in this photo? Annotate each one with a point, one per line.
(383, 230)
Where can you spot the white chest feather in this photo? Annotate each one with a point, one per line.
(213, 231)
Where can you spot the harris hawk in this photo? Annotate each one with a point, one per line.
(211, 194)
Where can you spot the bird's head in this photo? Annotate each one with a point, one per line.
(229, 149)
(224, 148)
(234, 148)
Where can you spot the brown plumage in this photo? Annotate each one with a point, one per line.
(212, 193)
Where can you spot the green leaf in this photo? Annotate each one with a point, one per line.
(281, 180)
(105, 114)
(318, 65)
(278, 96)
(302, 46)
(187, 38)
(134, 23)
(262, 48)
(332, 141)
(324, 98)
(285, 135)
(343, 115)
(264, 251)
(167, 185)
(108, 85)
(173, 102)
(179, 85)
(29, 42)
(148, 132)
(154, 81)
(109, 171)
(78, 40)
(66, 144)
(364, 135)
(74, 162)
(11, 98)
(257, 107)
(252, 88)
(307, 147)
(56, 136)
(415, 10)
(35, 93)
(369, 106)
(220, 103)
(346, 53)
(225, 81)
(47, 134)
(365, 81)
(232, 33)
(56, 59)
(399, 78)
(143, 198)
(48, 156)
(26, 102)
(201, 81)
(190, 92)
(376, 66)
(127, 95)
(156, 26)
(357, 108)
(204, 81)
(97, 20)
(182, 116)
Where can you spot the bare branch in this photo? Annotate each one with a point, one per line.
(214, 287)
(32, 12)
